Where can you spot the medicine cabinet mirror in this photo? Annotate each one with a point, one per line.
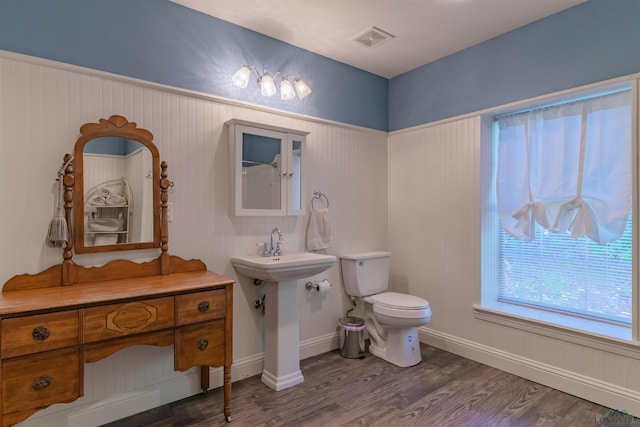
(117, 187)
(266, 169)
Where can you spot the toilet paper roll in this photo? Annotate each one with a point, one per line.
(324, 286)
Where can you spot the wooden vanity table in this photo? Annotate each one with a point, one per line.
(53, 322)
(48, 334)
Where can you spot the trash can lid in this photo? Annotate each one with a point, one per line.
(352, 323)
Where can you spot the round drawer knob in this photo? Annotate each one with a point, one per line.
(40, 333)
(202, 344)
(203, 306)
(43, 381)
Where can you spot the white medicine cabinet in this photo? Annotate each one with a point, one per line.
(266, 169)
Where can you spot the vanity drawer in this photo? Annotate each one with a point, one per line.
(39, 381)
(117, 320)
(200, 344)
(41, 332)
(201, 306)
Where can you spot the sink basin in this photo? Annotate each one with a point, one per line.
(284, 267)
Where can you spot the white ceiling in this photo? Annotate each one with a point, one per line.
(424, 30)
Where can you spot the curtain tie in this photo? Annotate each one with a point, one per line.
(582, 222)
(524, 215)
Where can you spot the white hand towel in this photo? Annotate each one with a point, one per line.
(106, 239)
(319, 230)
(115, 199)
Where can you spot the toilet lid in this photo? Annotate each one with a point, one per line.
(402, 301)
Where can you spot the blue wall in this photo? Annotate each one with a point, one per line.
(163, 42)
(160, 41)
(591, 42)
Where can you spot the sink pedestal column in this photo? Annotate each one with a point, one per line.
(281, 336)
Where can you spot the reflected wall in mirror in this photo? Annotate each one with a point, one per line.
(117, 191)
(261, 166)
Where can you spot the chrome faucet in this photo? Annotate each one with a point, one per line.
(275, 250)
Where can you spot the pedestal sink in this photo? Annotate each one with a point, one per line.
(281, 331)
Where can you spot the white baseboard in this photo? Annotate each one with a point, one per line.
(125, 404)
(319, 345)
(602, 393)
(121, 405)
(130, 403)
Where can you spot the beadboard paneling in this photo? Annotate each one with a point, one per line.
(435, 234)
(42, 106)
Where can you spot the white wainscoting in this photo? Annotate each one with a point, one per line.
(435, 233)
(42, 106)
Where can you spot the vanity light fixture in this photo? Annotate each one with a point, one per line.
(267, 83)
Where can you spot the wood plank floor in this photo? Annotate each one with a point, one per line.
(443, 390)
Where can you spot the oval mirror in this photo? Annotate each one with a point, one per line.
(117, 191)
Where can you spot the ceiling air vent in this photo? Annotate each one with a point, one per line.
(373, 37)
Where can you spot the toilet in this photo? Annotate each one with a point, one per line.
(391, 318)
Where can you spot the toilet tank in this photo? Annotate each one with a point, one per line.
(365, 273)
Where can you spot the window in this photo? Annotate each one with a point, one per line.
(577, 276)
(559, 221)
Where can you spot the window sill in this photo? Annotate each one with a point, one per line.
(590, 333)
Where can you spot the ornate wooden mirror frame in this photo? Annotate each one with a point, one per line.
(72, 181)
(113, 128)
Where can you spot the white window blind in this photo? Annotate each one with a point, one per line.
(564, 194)
(558, 272)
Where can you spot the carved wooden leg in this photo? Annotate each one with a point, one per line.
(227, 393)
(204, 378)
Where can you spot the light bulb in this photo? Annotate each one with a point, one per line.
(301, 88)
(267, 86)
(242, 76)
(286, 89)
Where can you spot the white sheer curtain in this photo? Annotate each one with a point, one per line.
(568, 168)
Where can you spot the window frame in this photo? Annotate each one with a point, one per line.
(540, 320)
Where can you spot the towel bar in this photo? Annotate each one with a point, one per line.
(318, 195)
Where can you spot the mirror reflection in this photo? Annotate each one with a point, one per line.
(118, 199)
(296, 190)
(261, 172)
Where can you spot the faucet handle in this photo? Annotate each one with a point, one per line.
(266, 251)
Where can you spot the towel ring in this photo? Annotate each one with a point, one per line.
(317, 195)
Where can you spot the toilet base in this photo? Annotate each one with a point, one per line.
(402, 347)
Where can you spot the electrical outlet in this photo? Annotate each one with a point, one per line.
(169, 211)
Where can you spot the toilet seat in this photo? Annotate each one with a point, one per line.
(398, 300)
(394, 304)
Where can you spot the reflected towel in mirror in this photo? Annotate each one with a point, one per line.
(115, 199)
(105, 224)
(99, 201)
(106, 239)
(111, 199)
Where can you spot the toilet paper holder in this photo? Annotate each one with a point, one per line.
(322, 286)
